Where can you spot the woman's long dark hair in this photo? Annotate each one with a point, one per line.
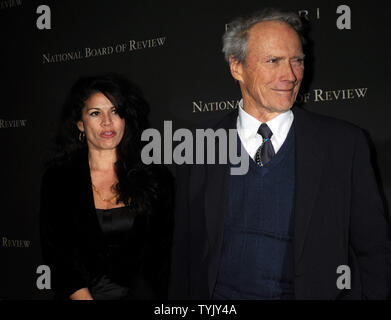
(136, 185)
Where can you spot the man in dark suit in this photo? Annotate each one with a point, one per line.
(306, 221)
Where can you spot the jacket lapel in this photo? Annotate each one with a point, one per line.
(215, 201)
(309, 162)
(87, 216)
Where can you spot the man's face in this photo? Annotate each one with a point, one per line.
(271, 75)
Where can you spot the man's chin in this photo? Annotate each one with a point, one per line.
(284, 107)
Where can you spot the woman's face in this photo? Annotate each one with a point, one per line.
(101, 123)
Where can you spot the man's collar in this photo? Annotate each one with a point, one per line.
(279, 125)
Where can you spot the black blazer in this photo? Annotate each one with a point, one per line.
(339, 216)
(71, 238)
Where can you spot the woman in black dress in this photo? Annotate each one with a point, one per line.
(106, 218)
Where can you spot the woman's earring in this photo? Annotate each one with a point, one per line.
(82, 136)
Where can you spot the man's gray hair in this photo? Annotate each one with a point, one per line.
(236, 37)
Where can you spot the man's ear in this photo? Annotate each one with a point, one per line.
(236, 68)
(80, 125)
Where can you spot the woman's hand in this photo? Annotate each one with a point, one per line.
(81, 294)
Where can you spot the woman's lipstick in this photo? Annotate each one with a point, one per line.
(108, 134)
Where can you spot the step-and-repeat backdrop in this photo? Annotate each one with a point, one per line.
(172, 51)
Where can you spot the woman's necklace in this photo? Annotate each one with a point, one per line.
(102, 198)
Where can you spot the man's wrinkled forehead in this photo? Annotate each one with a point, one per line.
(272, 29)
(274, 36)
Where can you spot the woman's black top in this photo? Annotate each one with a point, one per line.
(122, 276)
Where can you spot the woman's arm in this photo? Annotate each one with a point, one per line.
(158, 256)
(59, 249)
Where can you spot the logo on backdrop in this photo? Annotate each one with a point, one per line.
(4, 124)
(118, 48)
(315, 96)
(309, 14)
(7, 4)
(323, 95)
(344, 16)
(204, 106)
(11, 243)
